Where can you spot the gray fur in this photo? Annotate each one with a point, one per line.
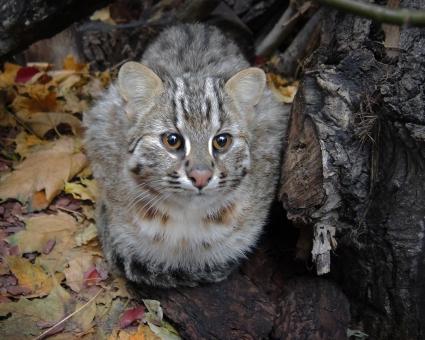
(153, 225)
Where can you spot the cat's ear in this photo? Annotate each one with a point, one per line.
(247, 86)
(138, 83)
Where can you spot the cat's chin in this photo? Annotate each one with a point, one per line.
(198, 198)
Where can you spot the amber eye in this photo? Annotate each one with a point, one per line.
(172, 141)
(222, 142)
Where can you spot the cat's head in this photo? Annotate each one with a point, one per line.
(189, 137)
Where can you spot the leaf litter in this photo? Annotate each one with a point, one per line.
(54, 281)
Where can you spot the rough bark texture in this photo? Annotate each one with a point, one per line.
(363, 113)
(23, 22)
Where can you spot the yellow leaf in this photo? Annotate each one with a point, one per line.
(71, 64)
(7, 77)
(30, 276)
(103, 15)
(141, 333)
(86, 235)
(87, 190)
(283, 90)
(88, 211)
(42, 122)
(24, 143)
(42, 228)
(47, 168)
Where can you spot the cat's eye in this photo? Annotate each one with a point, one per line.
(172, 141)
(222, 142)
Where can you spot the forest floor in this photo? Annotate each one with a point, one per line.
(54, 281)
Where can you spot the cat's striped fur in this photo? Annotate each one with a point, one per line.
(156, 227)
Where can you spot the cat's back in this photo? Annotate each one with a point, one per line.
(195, 49)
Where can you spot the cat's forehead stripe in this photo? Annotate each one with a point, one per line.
(178, 101)
(210, 103)
(211, 95)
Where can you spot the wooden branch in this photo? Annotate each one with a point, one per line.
(283, 28)
(279, 32)
(303, 44)
(411, 17)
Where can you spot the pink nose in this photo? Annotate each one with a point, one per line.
(200, 178)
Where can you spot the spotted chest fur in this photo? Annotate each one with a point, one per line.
(186, 146)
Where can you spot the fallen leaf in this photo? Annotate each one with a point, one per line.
(86, 190)
(18, 290)
(71, 64)
(6, 118)
(109, 312)
(39, 201)
(165, 332)
(131, 315)
(43, 228)
(42, 122)
(143, 332)
(30, 276)
(47, 168)
(86, 235)
(24, 143)
(103, 15)
(88, 211)
(93, 276)
(35, 98)
(48, 247)
(25, 314)
(83, 320)
(119, 288)
(76, 269)
(24, 74)
(283, 90)
(8, 76)
(155, 313)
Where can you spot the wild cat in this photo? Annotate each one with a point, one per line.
(186, 147)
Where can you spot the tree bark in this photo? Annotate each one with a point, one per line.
(354, 170)
(24, 22)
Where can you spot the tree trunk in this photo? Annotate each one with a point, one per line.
(354, 170)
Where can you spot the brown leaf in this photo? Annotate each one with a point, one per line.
(42, 122)
(37, 98)
(77, 267)
(47, 168)
(24, 143)
(30, 276)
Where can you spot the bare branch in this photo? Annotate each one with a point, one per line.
(412, 17)
(281, 30)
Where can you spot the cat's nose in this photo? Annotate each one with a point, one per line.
(200, 178)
